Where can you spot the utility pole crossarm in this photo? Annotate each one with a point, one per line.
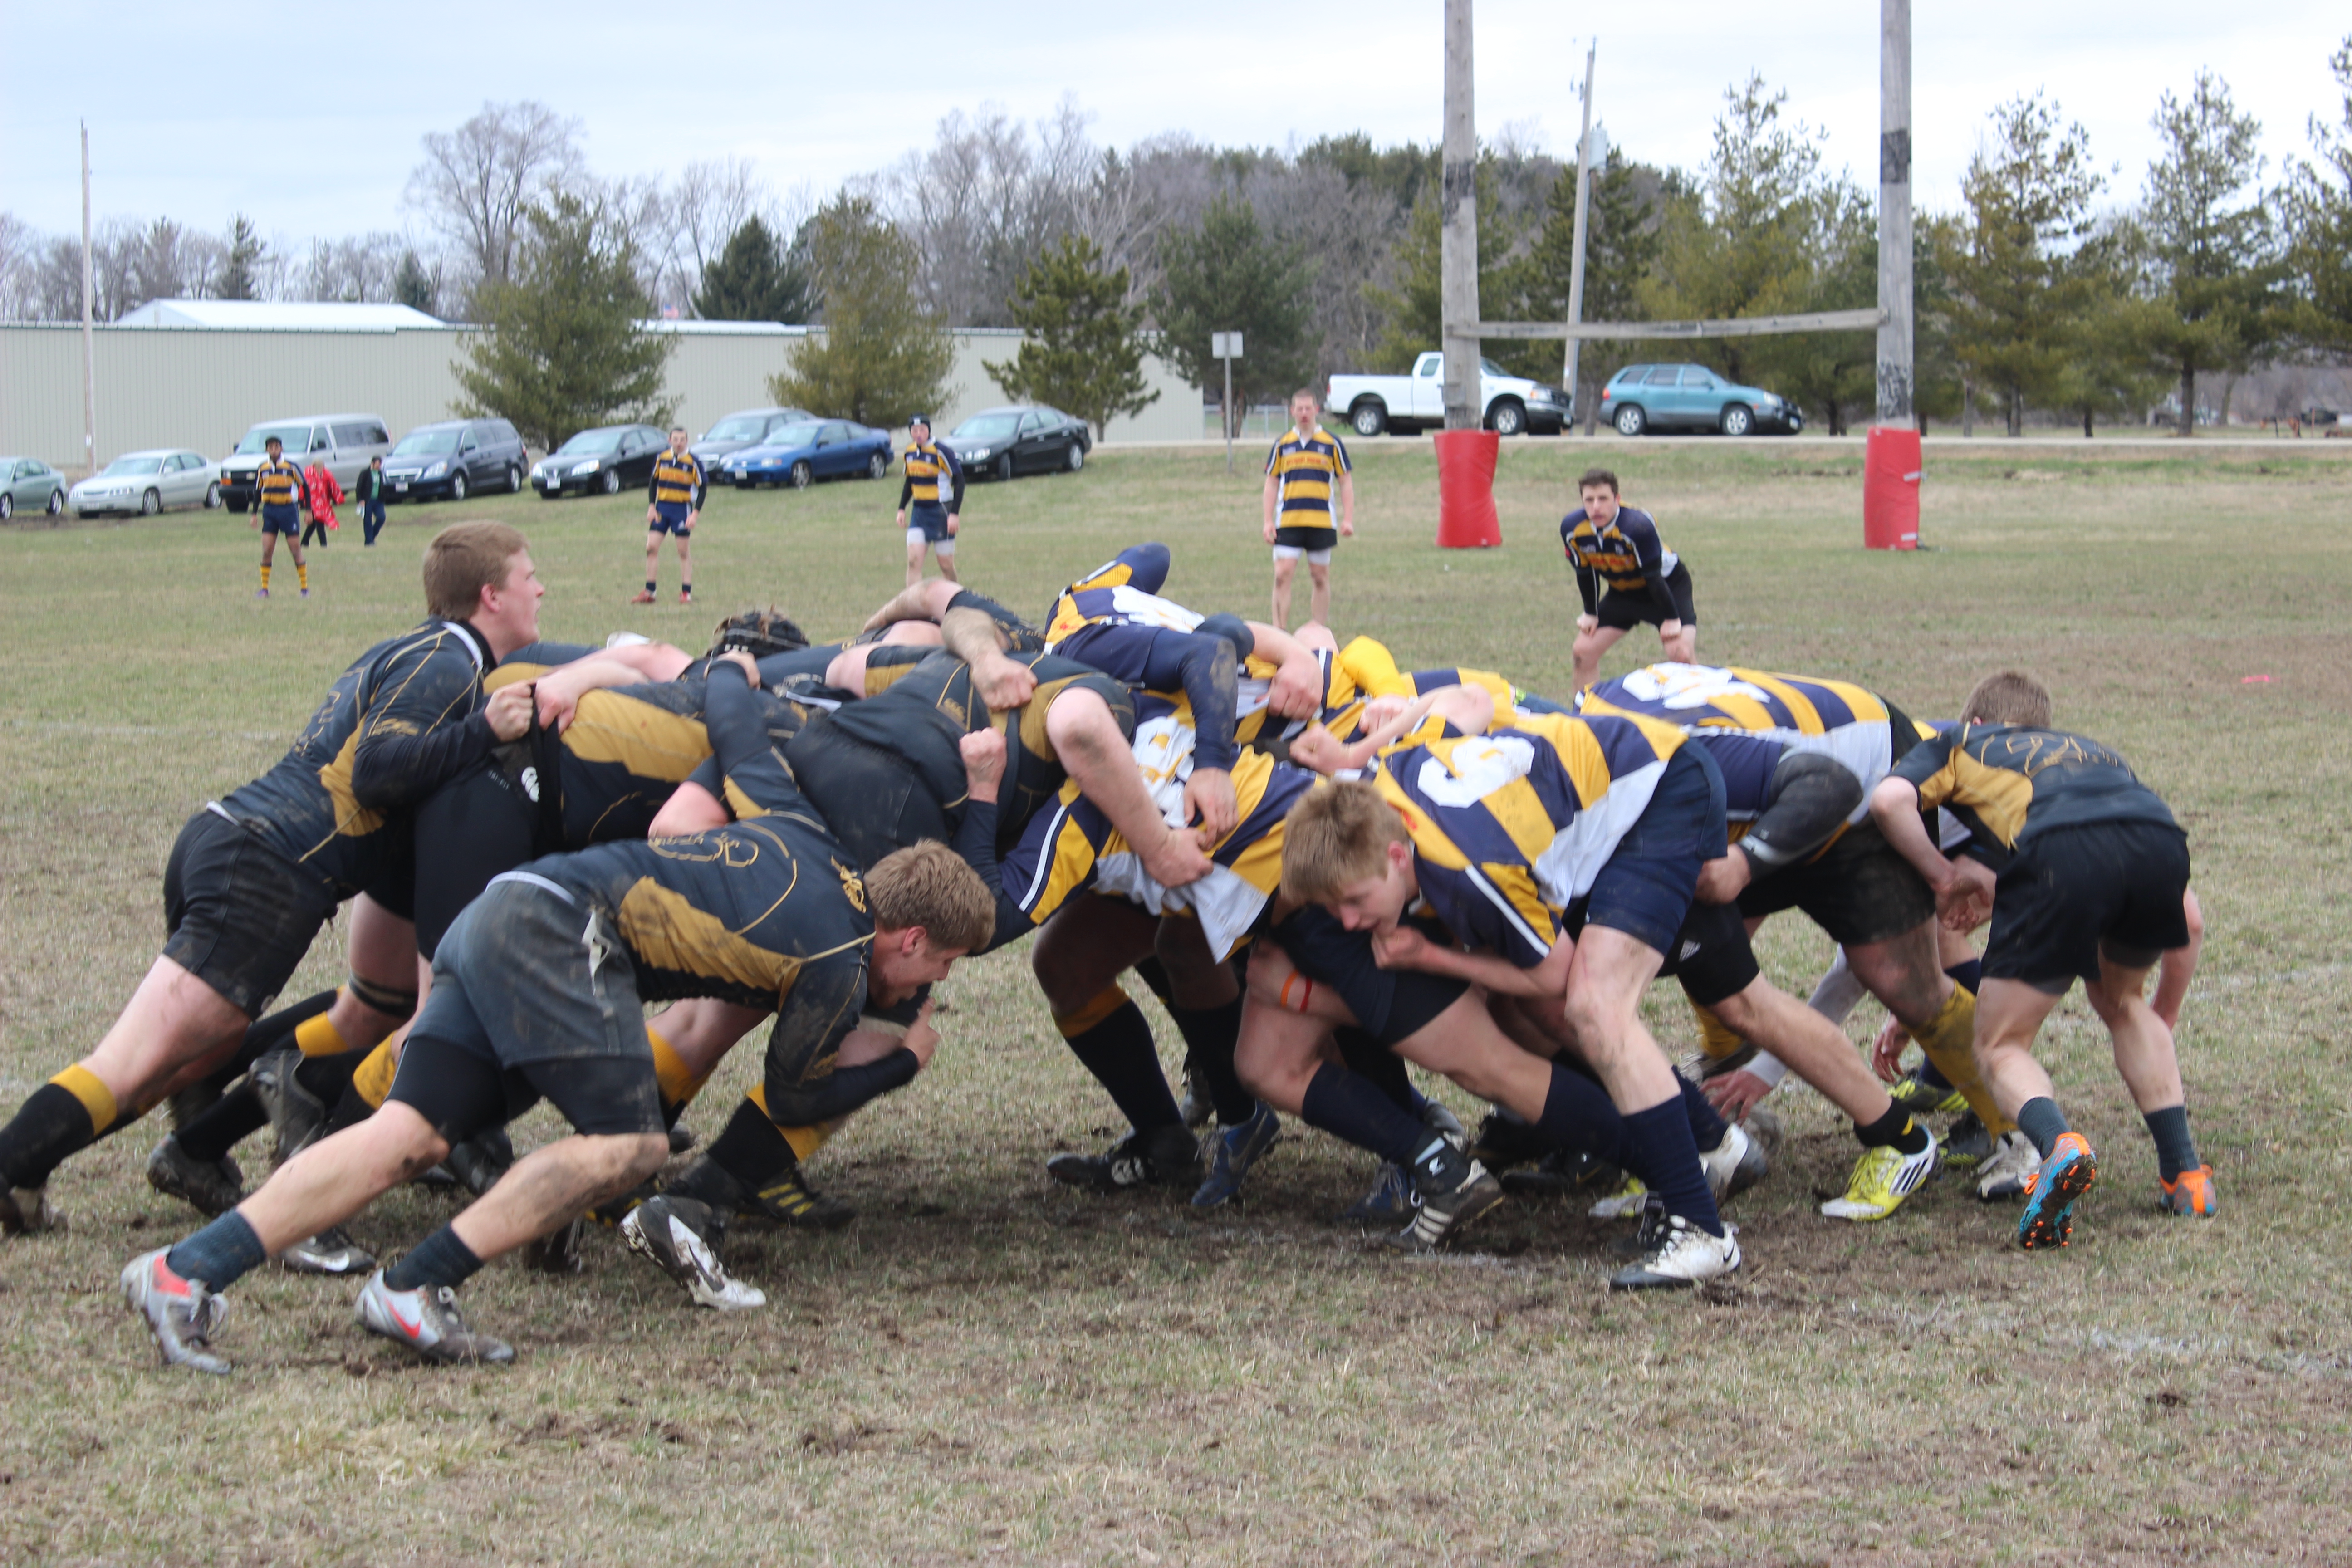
(1861, 320)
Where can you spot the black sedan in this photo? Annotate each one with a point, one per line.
(998, 443)
(610, 459)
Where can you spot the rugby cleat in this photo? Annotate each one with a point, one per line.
(1453, 1189)
(2052, 1192)
(1626, 1203)
(1563, 1174)
(1735, 1164)
(2008, 1170)
(1390, 1201)
(481, 1161)
(1676, 1253)
(427, 1320)
(1504, 1140)
(681, 1138)
(2191, 1192)
(1165, 1157)
(297, 1116)
(332, 1251)
(686, 596)
(27, 1211)
(557, 1252)
(1882, 1179)
(1922, 1099)
(212, 1187)
(788, 1200)
(643, 597)
(181, 1313)
(677, 1236)
(1232, 1153)
(1444, 1123)
(1966, 1141)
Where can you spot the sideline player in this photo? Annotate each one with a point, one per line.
(930, 524)
(2086, 872)
(1301, 472)
(278, 493)
(537, 992)
(253, 876)
(1617, 549)
(674, 498)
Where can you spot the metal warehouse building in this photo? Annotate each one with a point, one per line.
(198, 373)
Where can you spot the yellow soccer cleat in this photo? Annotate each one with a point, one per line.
(1882, 1179)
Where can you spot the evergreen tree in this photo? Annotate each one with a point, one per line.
(2319, 220)
(755, 278)
(1413, 310)
(1229, 275)
(239, 277)
(562, 348)
(1620, 248)
(1086, 347)
(884, 355)
(412, 286)
(2212, 252)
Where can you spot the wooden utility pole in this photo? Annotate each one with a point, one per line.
(88, 345)
(1895, 380)
(1458, 243)
(1575, 267)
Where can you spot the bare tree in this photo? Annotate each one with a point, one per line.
(475, 181)
(707, 205)
(20, 267)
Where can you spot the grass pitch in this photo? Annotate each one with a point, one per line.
(987, 1367)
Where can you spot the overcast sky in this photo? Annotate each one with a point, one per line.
(309, 119)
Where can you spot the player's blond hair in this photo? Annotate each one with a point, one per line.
(464, 559)
(2008, 697)
(1335, 837)
(928, 886)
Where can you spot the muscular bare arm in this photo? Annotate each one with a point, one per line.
(1087, 738)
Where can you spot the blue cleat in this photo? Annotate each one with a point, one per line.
(1231, 1153)
(1390, 1202)
(2050, 1193)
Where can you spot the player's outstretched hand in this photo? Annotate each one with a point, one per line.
(509, 710)
(1209, 803)
(984, 762)
(1886, 1050)
(1003, 683)
(1735, 1094)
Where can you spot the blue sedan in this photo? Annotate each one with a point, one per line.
(800, 455)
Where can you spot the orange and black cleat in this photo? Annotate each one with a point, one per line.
(2191, 1192)
(2051, 1193)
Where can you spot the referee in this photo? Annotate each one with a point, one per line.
(1301, 472)
(930, 524)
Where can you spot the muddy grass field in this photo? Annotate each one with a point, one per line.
(987, 1367)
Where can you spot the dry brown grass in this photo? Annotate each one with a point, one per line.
(988, 1368)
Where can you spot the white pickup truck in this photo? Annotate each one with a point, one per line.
(1404, 403)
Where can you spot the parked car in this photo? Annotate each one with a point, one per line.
(1023, 438)
(455, 457)
(738, 431)
(344, 442)
(800, 455)
(1692, 397)
(608, 458)
(27, 484)
(1509, 405)
(147, 482)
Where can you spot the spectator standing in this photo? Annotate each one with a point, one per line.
(673, 500)
(324, 491)
(277, 509)
(931, 524)
(1306, 466)
(368, 491)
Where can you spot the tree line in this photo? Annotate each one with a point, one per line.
(2044, 293)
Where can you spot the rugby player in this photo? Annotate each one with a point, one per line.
(2086, 875)
(1626, 576)
(538, 994)
(1307, 463)
(255, 875)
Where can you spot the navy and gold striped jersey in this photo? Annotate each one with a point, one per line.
(1123, 591)
(678, 481)
(1307, 469)
(1751, 718)
(1256, 725)
(279, 482)
(2009, 783)
(1627, 555)
(1510, 827)
(926, 464)
(1372, 669)
(404, 720)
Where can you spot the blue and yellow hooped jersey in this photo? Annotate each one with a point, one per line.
(1337, 707)
(1372, 669)
(677, 481)
(279, 481)
(1307, 469)
(1750, 719)
(926, 464)
(1623, 554)
(1510, 827)
(1123, 591)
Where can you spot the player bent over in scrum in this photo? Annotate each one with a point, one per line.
(2093, 871)
(538, 992)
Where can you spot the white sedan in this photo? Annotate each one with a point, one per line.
(147, 482)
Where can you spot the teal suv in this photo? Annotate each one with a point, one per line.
(1644, 397)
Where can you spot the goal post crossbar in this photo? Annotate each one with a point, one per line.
(1865, 319)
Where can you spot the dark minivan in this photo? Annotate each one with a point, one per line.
(454, 458)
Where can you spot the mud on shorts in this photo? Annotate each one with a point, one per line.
(1859, 890)
(533, 998)
(238, 915)
(2073, 894)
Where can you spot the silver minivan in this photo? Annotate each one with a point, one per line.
(343, 442)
